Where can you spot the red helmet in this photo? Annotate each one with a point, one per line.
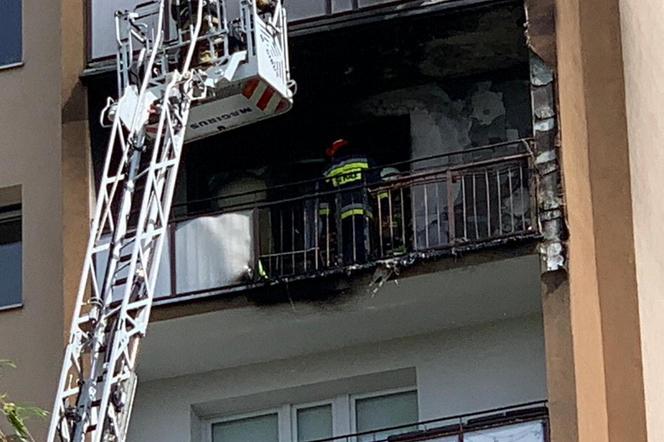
(336, 146)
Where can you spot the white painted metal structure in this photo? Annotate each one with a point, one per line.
(204, 72)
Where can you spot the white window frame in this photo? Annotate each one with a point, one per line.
(355, 397)
(238, 417)
(296, 408)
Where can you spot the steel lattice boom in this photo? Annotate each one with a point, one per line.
(160, 81)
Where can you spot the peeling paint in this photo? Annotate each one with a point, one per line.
(545, 157)
(487, 105)
(540, 73)
(475, 114)
(545, 125)
(549, 191)
(553, 256)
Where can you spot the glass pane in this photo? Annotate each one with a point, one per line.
(386, 411)
(10, 261)
(10, 269)
(103, 25)
(314, 423)
(301, 9)
(528, 432)
(341, 6)
(11, 50)
(10, 227)
(255, 429)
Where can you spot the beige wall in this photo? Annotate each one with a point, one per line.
(642, 25)
(30, 156)
(76, 161)
(603, 303)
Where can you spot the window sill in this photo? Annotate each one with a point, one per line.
(9, 307)
(7, 67)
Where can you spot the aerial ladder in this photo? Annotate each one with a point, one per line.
(186, 69)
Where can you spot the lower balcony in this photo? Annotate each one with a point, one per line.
(404, 366)
(416, 211)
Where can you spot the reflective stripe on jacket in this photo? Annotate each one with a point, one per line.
(347, 171)
(355, 210)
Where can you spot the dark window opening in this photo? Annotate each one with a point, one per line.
(256, 158)
(398, 91)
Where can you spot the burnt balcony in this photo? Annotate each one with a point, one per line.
(424, 209)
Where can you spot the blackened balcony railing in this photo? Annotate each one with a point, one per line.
(412, 212)
(397, 213)
(523, 423)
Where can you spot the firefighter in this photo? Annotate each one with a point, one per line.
(266, 5)
(184, 13)
(348, 174)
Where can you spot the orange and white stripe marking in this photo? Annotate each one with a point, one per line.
(264, 97)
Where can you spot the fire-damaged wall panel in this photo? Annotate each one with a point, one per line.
(549, 191)
(470, 113)
(540, 34)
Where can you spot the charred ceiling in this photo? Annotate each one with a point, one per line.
(417, 49)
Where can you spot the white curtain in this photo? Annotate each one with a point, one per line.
(213, 251)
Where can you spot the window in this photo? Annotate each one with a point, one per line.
(306, 422)
(11, 29)
(385, 411)
(10, 255)
(263, 428)
(313, 423)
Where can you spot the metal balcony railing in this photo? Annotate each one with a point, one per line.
(405, 211)
(417, 211)
(524, 423)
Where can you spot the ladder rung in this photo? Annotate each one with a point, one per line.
(101, 248)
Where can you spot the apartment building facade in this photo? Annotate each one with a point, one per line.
(31, 223)
(503, 284)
